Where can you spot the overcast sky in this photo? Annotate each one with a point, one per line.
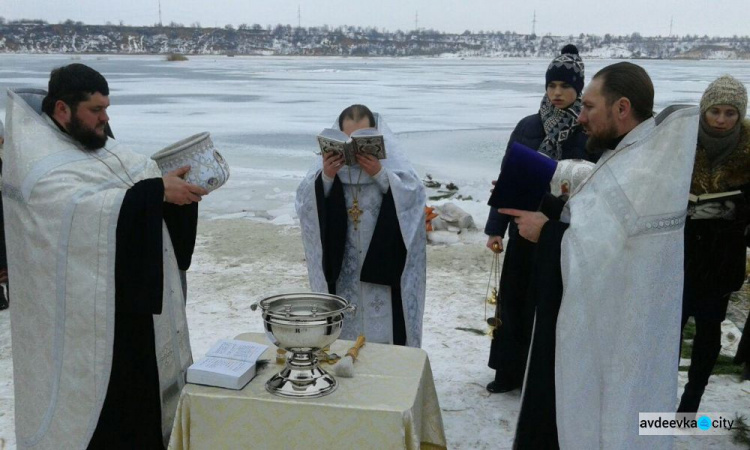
(648, 17)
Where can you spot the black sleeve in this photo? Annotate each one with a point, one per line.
(138, 257)
(333, 222)
(386, 256)
(742, 212)
(182, 223)
(497, 224)
(551, 236)
(552, 206)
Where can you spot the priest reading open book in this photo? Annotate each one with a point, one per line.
(364, 236)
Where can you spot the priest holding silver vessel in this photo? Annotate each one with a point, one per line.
(100, 339)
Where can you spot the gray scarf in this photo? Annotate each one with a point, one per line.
(718, 144)
(558, 125)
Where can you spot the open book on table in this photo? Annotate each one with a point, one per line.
(366, 141)
(720, 197)
(229, 364)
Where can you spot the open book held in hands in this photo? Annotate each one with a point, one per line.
(366, 141)
(721, 197)
(229, 364)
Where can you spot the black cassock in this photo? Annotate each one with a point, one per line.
(510, 341)
(131, 414)
(537, 421)
(386, 256)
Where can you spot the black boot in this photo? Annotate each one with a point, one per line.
(496, 387)
(690, 401)
(706, 349)
(503, 383)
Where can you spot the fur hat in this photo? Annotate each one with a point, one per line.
(725, 90)
(567, 67)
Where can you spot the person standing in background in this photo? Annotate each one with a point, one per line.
(555, 132)
(715, 240)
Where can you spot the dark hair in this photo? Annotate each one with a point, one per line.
(631, 81)
(73, 84)
(356, 113)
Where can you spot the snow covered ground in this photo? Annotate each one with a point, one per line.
(240, 261)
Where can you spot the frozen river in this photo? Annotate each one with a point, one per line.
(454, 115)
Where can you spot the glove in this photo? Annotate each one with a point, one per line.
(713, 210)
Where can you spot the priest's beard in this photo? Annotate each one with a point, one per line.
(87, 136)
(597, 144)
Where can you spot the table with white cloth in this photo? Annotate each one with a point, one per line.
(389, 403)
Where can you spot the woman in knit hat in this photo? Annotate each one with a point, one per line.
(715, 242)
(554, 131)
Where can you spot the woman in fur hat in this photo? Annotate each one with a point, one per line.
(715, 242)
(554, 131)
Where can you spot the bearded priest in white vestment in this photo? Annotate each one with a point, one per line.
(100, 338)
(364, 235)
(615, 259)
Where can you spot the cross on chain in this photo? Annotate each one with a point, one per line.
(354, 213)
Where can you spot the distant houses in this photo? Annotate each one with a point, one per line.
(33, 36)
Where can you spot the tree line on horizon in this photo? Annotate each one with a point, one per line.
(280, 28)
(76, 37)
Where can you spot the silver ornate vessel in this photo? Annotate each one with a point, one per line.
(303, 323)
(208, 169)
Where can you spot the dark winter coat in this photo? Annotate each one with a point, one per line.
(715, 249)
(530, 132)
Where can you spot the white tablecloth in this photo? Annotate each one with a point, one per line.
(390, 403)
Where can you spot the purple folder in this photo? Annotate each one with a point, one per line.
(525, 175)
